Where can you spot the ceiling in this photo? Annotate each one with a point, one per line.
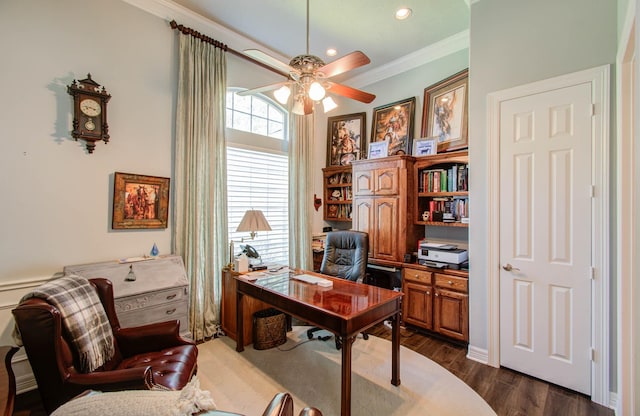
(346, 25)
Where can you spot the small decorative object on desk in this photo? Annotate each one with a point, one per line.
(154, 250)
(131, 276)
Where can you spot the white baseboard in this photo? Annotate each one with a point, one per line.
(480, 355)
(613, 403)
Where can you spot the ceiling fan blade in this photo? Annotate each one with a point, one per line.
(352, 93)
(269, 60)
(264, 88)
(308, 105)
(344, 64)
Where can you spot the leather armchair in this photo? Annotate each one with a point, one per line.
(346, 255)
(144, 356)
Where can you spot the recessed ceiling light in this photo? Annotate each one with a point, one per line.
(403, 13)
(332, 52)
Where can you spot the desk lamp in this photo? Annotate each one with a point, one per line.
(252, 221)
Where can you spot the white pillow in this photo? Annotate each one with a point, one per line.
(186, 402)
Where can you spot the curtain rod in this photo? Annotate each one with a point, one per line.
(220, 45)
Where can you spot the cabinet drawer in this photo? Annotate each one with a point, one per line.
(417, 275)
(452, 282)
(160, 313)
(149, 299)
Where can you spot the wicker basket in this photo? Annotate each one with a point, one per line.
(269, 329)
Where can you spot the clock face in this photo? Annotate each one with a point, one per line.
(90, 107)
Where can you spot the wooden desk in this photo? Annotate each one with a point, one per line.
(346, 309)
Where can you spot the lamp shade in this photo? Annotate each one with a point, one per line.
(253, 221)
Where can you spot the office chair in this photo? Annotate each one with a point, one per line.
(345, 255)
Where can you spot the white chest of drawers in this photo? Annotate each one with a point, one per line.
(160, 291)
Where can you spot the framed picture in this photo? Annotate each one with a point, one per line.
(446, 111)
(425, 147)
(393, 123)
(140, 201)
(378, 150)
(344, 138)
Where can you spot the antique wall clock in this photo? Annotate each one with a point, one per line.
(89, 111)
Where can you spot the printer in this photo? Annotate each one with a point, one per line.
(431, 254)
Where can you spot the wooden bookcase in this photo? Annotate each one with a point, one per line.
(442, 188)
(337, 184)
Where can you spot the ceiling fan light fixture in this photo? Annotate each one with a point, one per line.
(282, 94)
(298, 107)
(403, 13)
(328, 104)
(332, 52)
(316, 91)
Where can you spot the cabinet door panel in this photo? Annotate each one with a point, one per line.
(364, 219)
(386, 181)
(417, 305)
(363, 182)
(451, 314)
(386, 229)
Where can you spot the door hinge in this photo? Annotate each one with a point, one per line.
(592, 273)
(593, 109)
(592, 191)
(593, 354)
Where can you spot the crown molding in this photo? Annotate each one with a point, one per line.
(452, 44)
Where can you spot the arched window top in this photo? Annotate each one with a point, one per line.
(256, 114)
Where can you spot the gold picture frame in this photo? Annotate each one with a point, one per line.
(445, 112)
(140, 201)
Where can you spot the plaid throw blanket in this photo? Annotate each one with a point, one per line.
(83, 316)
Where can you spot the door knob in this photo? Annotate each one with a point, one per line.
(510, 268)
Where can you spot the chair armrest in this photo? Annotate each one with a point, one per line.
(152, 337)
(280, 405)
(310, 411)
(137, 378)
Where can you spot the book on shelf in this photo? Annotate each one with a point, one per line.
(452, 179)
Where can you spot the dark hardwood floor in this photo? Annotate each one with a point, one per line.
(508, 392)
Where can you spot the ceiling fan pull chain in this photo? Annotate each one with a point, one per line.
(307, 27)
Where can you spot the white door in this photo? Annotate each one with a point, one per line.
(545, 235)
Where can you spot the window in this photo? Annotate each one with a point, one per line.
(255, 114)
(259, 180)
(258, 172)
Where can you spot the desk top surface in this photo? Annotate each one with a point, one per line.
(344, 298)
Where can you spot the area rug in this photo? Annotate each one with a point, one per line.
(310, 371)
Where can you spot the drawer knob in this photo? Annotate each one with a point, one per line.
(171, 296)
(450, 282)
(416, 276)
(171, 311)
(428, 293)
(437, 294)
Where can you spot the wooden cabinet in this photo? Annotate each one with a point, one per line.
(228, 308)
(442, 190)
(436, 301)
(383, 206)
(337, 193)
(160, 291)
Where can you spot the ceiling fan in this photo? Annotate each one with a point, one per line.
(309, 78)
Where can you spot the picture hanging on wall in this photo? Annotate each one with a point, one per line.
(445, 112)
(344, 138)
(393, 123)
(140, 201)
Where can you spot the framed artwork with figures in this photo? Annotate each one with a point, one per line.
(140, 201)
(445, 112)
(393, 123)
(344, 139)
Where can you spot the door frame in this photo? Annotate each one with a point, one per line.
(628, 123)
(599, 78)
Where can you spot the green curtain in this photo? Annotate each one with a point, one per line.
(300, 186)
(200, 209)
